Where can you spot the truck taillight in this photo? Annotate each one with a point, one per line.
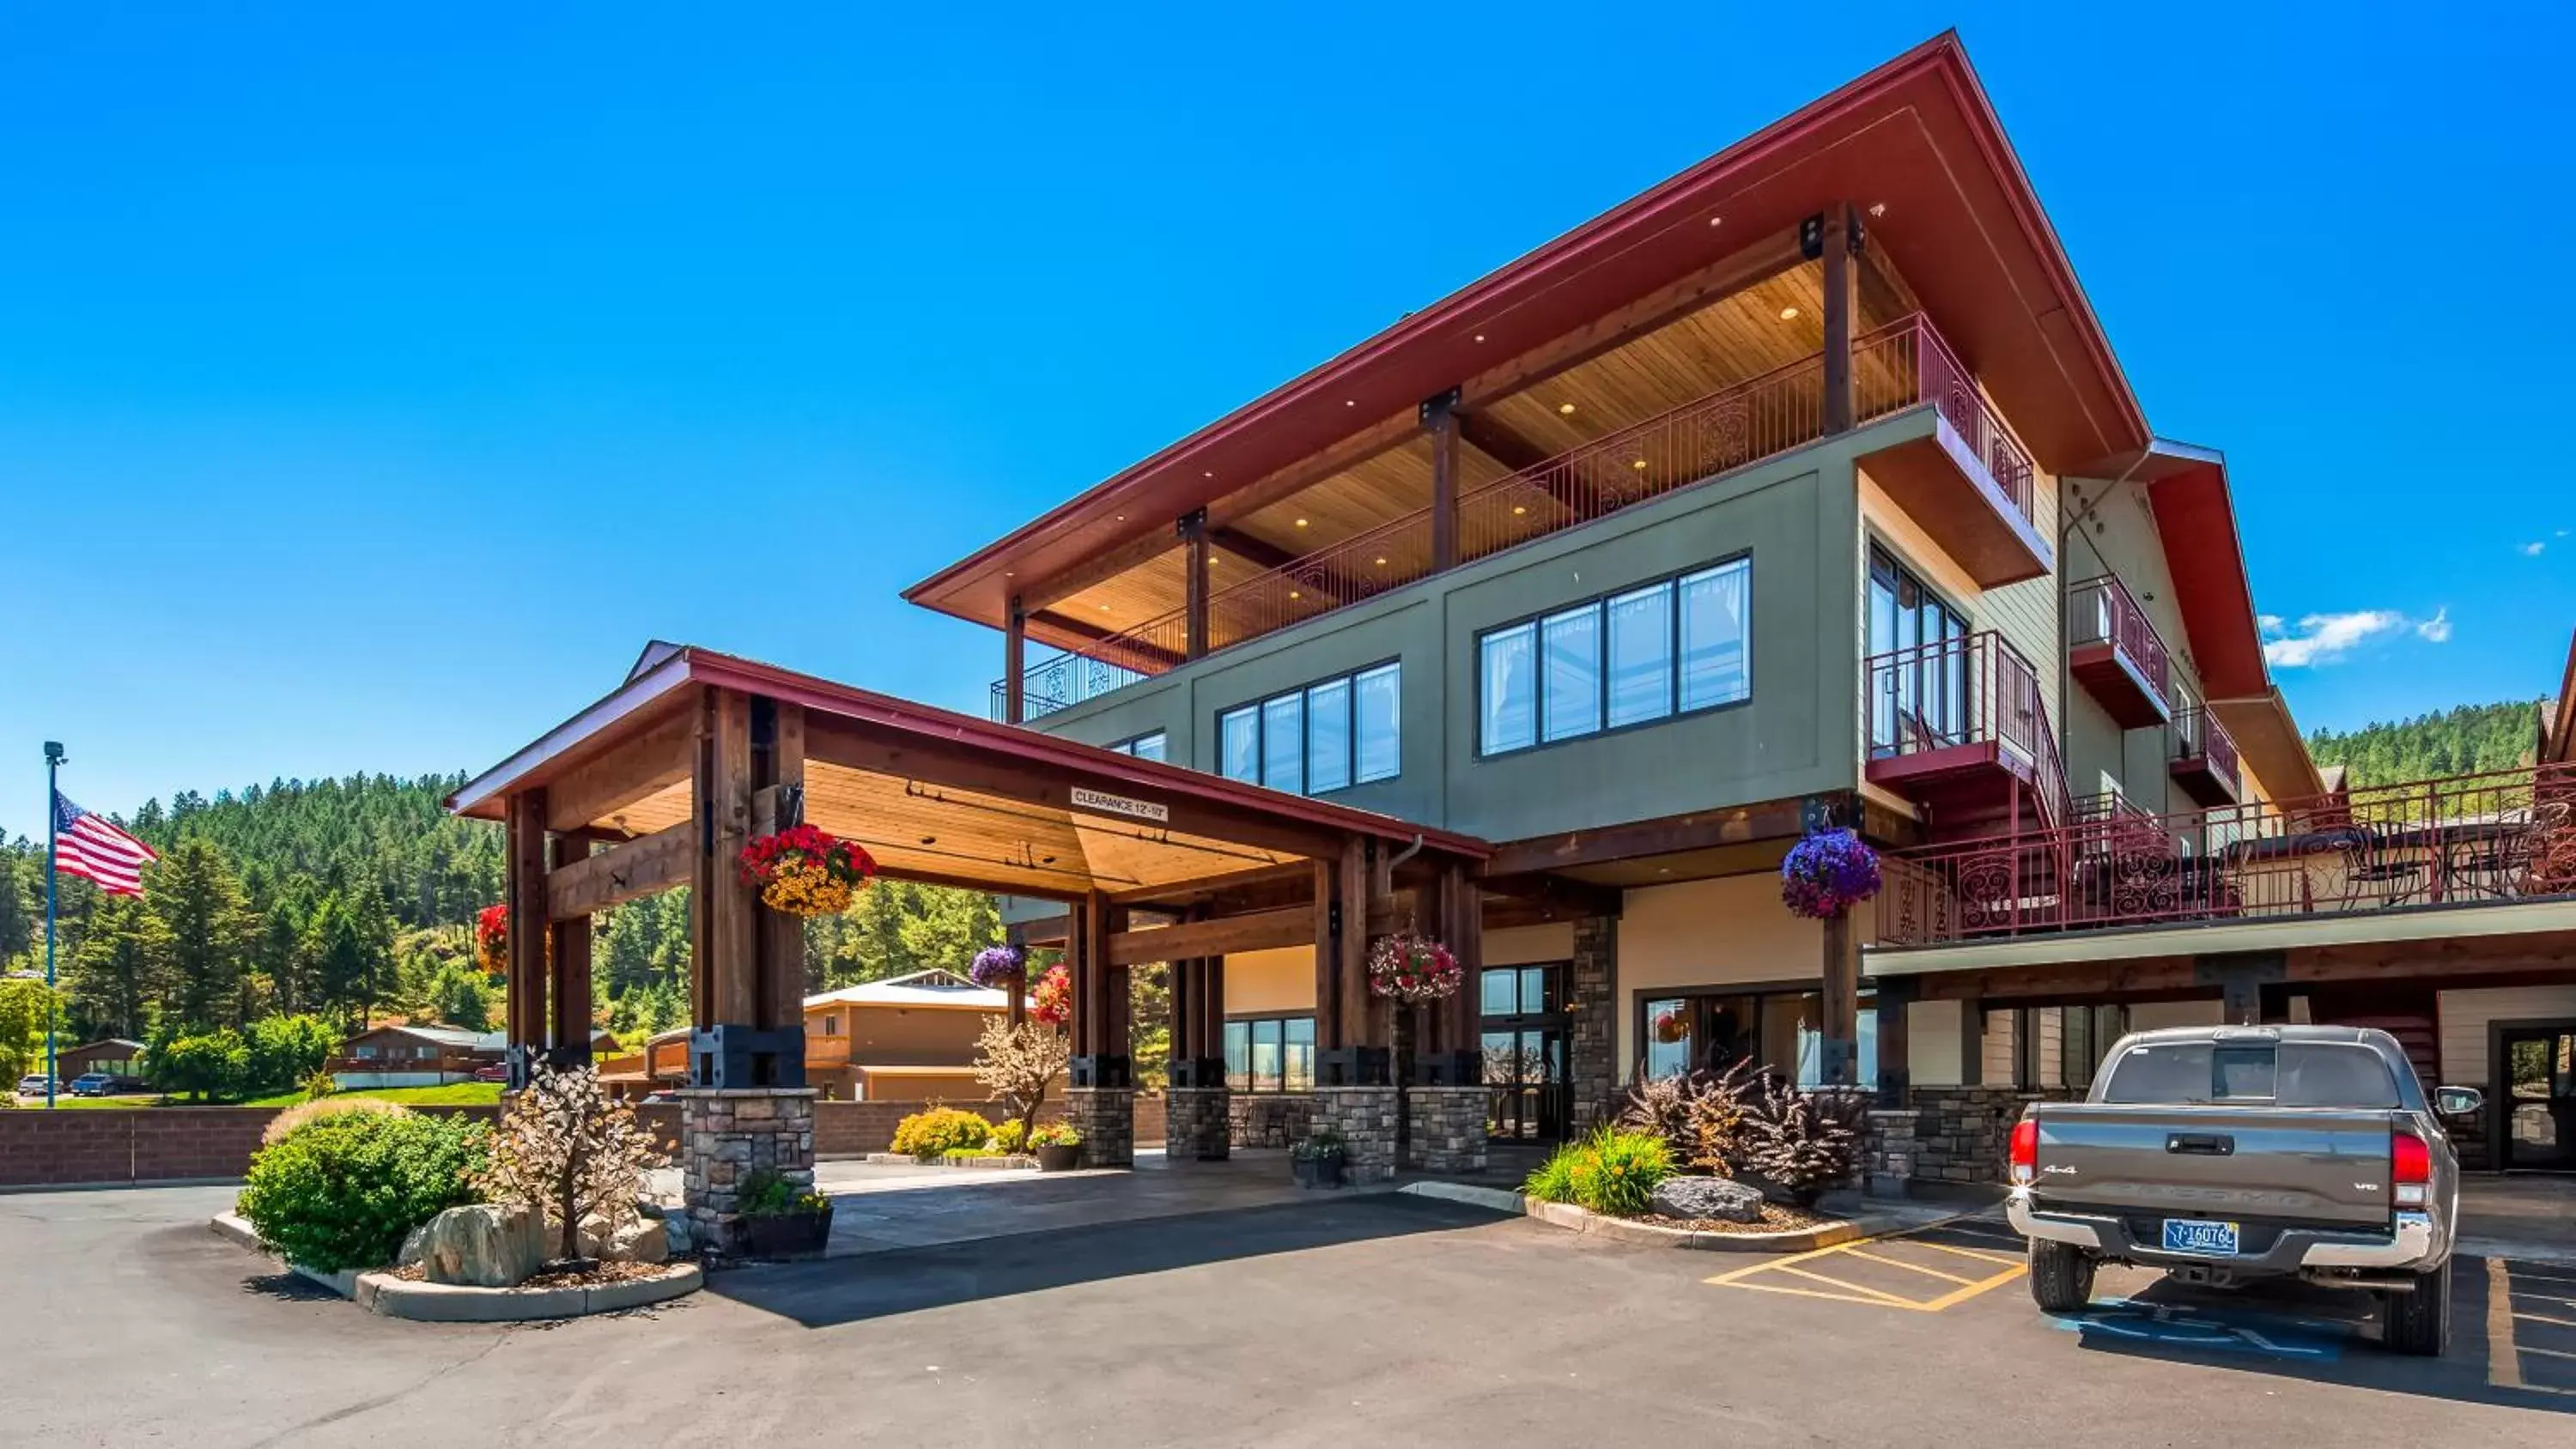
(2025, 1151)
(2410, 1169)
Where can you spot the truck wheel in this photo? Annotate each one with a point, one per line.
(2061, 1276)
(2419, 1322)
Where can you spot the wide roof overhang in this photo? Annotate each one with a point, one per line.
(1916, 137)
(938, 796)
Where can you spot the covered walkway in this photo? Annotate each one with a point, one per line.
(662, 783)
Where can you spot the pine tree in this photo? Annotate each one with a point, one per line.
(198, 898)
(122, 970)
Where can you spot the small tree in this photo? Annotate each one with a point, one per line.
(1017, 1064)
(568, 1149)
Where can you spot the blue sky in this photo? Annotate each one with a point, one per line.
(371, 388)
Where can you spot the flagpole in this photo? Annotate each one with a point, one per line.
(53, 819)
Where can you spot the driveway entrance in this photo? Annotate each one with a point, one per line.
(878, 1209)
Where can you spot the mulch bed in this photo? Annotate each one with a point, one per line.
(1776, 1218)
(598, 1275)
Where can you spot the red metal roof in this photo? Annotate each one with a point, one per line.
(1916, 136)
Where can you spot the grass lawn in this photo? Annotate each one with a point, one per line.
(454, 1094)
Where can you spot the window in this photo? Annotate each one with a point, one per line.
(1143, 747)
(1779, 1029)
(1628, 659)
(1335, 733)
(1924, 693)
(1270, 1054)
(2291, 1074)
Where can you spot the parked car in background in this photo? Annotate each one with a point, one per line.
(120, 1086)
(91, 1084)
(2224, 1155)
(497, 1072)
(33, 1084)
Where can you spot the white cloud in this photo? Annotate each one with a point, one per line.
(2533, 548)
(2325, 638)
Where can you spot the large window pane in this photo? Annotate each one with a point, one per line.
(1533, 989)
(1265, 1056)
(1238, 1055)
(1239, 744)
(1789, 1023)
(1714, 604)
(1509, 690)
(1380, 723)
(1641, 655)
(1572, 696)
(1299, 1054)
(1668, 1037)
(1283, 743)
(1500, 994)
(1328, 736)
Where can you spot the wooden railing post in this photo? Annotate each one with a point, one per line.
(1015, 679)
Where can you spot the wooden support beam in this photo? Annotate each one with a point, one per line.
(1015, 665)
(1281, 484)
(1498, 440)
(1328, 966)
(1096, 642)
(651, 762)
(1194, 583)
(1092, 993)
(1842, 238)
(1253, 549)
(778, 783)
(1840, 1012)
(1895, 1039)
(724, 910)
(1359, 1018)
(639, 868)
(571, 965)
(525, 890)
(1217, 936)
(1440, 420)
(1770, 820)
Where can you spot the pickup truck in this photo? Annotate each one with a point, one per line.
(2228, 1154)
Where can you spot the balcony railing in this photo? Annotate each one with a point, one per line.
(2468, 840)
(1896, 367)
(1973, 690)
(2101, 611)
(2198, 736)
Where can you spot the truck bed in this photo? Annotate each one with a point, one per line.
(2324, 1166)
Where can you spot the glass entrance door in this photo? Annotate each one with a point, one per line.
(1523, 1040)
(2537, 1084)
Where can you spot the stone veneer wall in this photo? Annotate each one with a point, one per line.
(1106, 1118)
(1364, 1117)
(1195, 1125)
(1948, 1138)
(1268, 1119)
(1448, 1128)
(1592, 1020)
(725, 1136)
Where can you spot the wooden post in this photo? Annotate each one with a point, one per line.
(1840, 304)
(571, 970)
(1895, 1049)
(1462, 918)
(731, 908)
(1194, 582)
(1092, 995)
(1440, 420)
(1015, 679)
(1359, 1009)
(778, 781)
(1212, 1008)
(525, 891)
(1328, 969)
(1841, 1012)
(1972, 1041)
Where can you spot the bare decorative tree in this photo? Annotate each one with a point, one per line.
(569, 1150)
(1016, 1065)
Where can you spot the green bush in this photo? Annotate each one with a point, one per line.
(1612, 1172)
(342, 1191)
(765, 1194)
(934, 1134)
(212, 1064)
(1007, 1136)
(285, 1051)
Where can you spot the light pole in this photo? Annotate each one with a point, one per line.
(53, 825)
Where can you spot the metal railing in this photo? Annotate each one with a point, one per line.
(2198, 735)
(2103, 611)
(1895, 367)
(2471, 840)
(1975, 689)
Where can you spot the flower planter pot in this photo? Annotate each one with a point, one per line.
(783, 1235)
(1059, 1158)
(1317, 1171)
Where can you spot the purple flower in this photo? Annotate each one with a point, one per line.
(995, 965)
(1826, 873)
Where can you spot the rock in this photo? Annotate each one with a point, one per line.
(415, 1247)
(483, 1246)
(1717, 1198)
(636, 1240)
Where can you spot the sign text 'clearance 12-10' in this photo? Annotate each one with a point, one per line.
(1100, 802)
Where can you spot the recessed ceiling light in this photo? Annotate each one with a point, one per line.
(1292, 593)
(1566, 408)
(1350, 402)
(1639, 465)
(1209, 474)
(1714, 220)
(1104, 608)
(1878, 208)
(1122, 518)
(1381, 563)
(1480, 336)
(1301, 523)
(1788, 314)
(1518, 509)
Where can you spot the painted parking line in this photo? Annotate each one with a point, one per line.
(1922, 1270)
(2511, 1304)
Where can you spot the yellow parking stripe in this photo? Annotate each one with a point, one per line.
(2009, 1260)
(1848, 1291)
(2504, 1364)
(1881, 1294)
(1912, 1267)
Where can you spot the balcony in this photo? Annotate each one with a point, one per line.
(2116, 654)
(2203, 759)
(1901, 366)
(1958, 727)
(2467, 841)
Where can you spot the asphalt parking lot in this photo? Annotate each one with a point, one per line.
(1373, 1319)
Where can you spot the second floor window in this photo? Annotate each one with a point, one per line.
(1143, 747)
(1327, 736)
(1632, 658)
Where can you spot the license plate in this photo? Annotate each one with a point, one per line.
(2199, 1235)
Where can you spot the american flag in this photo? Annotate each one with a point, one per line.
(92, 847)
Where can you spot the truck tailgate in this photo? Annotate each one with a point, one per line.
(2315, 1164)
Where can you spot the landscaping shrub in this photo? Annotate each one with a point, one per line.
(343, 1189)
(1553, 1180)
(207, 1065)
(1055, 1134)
(1804, 1141)
(1705, 1119)
(286, 1051)
(319, 1108)
(1007, 1136)
(765, 1194)
(1613, 1172)
(934, 1134)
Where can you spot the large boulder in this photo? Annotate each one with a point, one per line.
(633, 1240)
(415, 1247)
(1717, 1199)
(483, 1245)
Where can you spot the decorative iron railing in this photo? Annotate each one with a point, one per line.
(2103, 611)
(2198, 735)
(2468, 840)
(1972, 690)
(1898, 366)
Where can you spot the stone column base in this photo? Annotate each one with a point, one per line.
(1269, 1119)
(1106, 1118)
(1448, 1128)
(1194, 1123)
(1364, 1118)
(726, 1136)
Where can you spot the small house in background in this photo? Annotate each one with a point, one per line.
(114, 1055)
(903, 1039)
(414, 1056)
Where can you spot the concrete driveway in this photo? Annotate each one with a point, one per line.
(1311, 1322)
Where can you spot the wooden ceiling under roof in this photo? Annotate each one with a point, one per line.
(1732, 339)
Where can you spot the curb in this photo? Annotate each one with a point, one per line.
(1012, 1163)
(1575, 1219)
(391, 1297)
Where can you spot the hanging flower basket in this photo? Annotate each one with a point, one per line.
(1054, 997)
(1407, 967)
(1827, 873)
(1671, 1027)
(804, 871)
(998, 966)
(492, 942)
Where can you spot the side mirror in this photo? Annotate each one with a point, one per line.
(2457, 1101)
